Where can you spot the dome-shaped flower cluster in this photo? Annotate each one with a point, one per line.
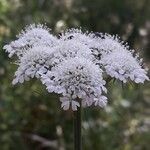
(77, 78)
(74, 64)
(33, 35)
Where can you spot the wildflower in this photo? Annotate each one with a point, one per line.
(123, 66)
(74, 65)
(33, 63)
(76, 78)
(33, 35)
(70, 49)
(79, 36)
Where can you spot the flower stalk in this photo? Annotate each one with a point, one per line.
(77, 129)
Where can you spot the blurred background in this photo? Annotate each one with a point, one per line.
(31, 118)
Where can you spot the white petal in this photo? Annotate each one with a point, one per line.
(74, 105)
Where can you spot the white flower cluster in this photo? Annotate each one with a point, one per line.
(33, 35)
(77, 78)
(74, 64)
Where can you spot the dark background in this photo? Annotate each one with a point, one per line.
(31, 118)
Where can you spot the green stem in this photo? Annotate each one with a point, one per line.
(77, 129)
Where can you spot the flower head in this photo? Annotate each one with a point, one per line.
(33, 35)
(74, 65)
(70, 49)
(34, 62)
(85, 38)
(123, 66)
(76, 78)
